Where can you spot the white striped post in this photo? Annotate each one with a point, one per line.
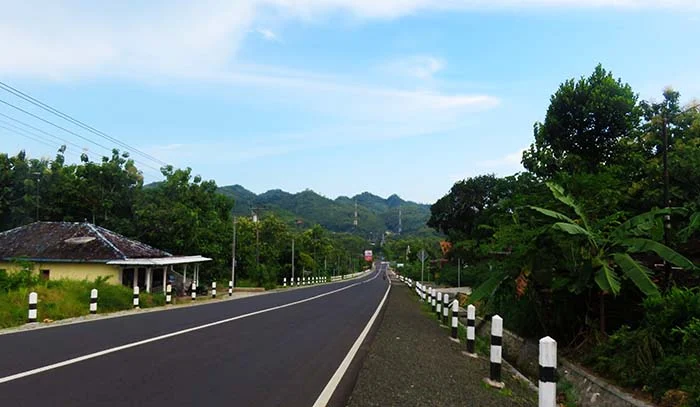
(93, 301)
(169, 293)
(213, 289)
(230, 288)
(455, 314)
(547, 394)
(136, 297)
(194, 291)
(297, 281)
(438, 310)
(471, 329)
(496, 352)
(33, 299)
(284, 282)
(433, 298)
(445, 308)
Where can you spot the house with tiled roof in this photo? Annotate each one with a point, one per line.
(83, 251)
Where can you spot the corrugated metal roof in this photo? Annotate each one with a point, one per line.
(72, 241)
(162, 261)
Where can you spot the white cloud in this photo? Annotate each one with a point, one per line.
(267, 34)
(417, 66)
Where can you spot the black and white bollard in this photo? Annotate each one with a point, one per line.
(547, 393)
(455, 314)
(169, 293)
(438, 309)
(230, 288)
(93, 301)
(284, 284)
(213, 289)
(136, 297)
(33, 299)
(445, 308)
(471, 330)
(194, 291)
(494, 379)
(433, 298)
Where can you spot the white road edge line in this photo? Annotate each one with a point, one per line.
(170, 335)
(328, 391)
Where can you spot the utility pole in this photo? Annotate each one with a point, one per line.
(422, 256)
(233, 255)
(257, 238)
(667, 203)
(292, 260)
(459, 271)
(400, 221)
(38, 175)
(354, 222)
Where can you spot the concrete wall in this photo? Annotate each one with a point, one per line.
(72, 271)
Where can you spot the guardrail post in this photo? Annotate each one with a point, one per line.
(438, 310)
(230, 288)
(93, 301)
(433, 298)
(213, 289)
(285, 282)
(471, 330)
(547, 394)
(494, 379)
(455, 314)
(168, 293)
(194, 291)
(445, 308)
(33, 299)
(136, 297)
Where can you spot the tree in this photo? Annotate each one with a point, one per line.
(585, 122)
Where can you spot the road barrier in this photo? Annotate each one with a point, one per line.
(194, 291)
(213, 289)
(168, 293)
(471, 329)
(455, 313)
(136, 297)
(93, 301)
(230, 288)
(445, 308)
(33, 299)
(284, 282)
(496, 352)
(547, 388)
(547, 394)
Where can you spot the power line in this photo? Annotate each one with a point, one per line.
(44, 142)
(36, 129)
(77, 122)
(66, 130)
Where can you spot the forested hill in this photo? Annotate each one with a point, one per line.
(376, 215)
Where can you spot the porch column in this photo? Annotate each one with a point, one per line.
(165, 276)
(136, 277)
(184, 276)
(149, 279)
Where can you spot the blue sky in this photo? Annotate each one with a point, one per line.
(339, 96)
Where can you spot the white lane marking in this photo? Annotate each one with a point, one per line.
(170, 335)
(328, 391)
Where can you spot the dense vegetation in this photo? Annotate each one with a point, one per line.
(183, 215)
(574, 247)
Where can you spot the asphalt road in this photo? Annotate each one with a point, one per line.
(284, 356)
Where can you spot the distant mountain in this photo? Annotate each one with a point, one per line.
(376, 215)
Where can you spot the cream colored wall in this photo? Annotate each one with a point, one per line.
(73, 271)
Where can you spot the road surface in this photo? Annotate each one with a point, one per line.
(269, 350)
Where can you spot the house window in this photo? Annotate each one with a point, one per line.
(44, 274)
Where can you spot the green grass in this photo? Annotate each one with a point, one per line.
(60, 299)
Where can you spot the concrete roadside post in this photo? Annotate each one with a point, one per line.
(438, 310)
(445, 308)
(93, 301)
(230, 288)
(136, 297)
(213, 289)
(547, 394)
(33, 299)
(284, 284)
(494, 379)
(434, 299)
(169, 294)
(471, 330)
(194, 291)
(455, 314)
